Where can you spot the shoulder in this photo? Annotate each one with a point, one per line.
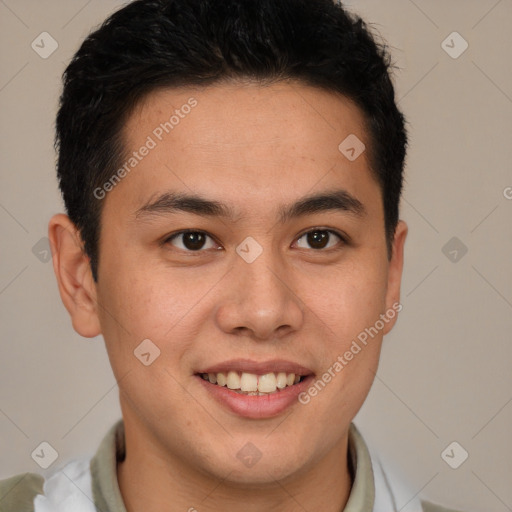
(432, 507)
(392, 491)
(17, 493)
(67, 488)
(388, 481)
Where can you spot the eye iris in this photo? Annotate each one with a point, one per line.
(318, 239)
(193, 240)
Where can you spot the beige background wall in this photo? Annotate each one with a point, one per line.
(445, 372)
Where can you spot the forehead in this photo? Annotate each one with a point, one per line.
(247, 114)
(244, 141)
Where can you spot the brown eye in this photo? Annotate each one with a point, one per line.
(189, 240)
(319, 238)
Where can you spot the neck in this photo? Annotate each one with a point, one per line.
(150, 482)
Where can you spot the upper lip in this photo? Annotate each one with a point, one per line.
(258, 367)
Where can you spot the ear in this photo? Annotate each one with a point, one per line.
(74, 277)
(395, 274)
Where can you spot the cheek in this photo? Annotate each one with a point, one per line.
(150, 303)
(347, 299)
(168, 308)
(348, 304)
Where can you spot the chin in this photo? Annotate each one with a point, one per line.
(260, 475)
(249, 467)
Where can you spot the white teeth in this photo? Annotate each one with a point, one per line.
(233, 380)
(221, 379)
(267, 383)
(281, 380)
(252, 384)
(249, 382)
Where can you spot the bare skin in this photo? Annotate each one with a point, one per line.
(255, 149)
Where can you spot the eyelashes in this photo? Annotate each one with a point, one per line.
(194, 241)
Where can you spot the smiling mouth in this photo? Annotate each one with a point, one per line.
(252, 384)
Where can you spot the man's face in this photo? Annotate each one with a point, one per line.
(252, 291)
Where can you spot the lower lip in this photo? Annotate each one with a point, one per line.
(256, 406)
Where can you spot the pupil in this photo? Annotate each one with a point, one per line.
(193, 241)
(318, 239)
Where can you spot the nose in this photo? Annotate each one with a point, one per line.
(259, 300)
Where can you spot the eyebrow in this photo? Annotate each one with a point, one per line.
(172, 202)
